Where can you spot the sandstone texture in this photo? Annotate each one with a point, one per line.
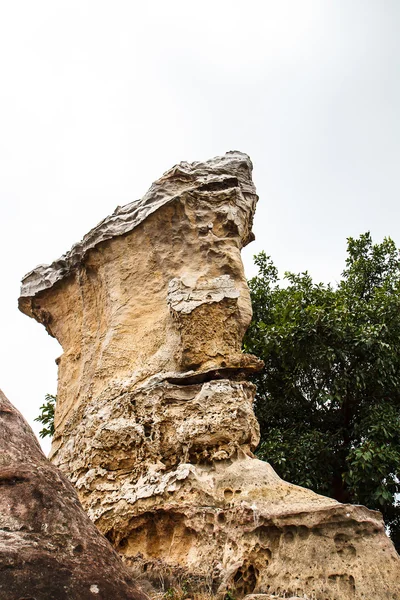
(49, 548)
(154, 419)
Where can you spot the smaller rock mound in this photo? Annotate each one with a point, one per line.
(49, 549)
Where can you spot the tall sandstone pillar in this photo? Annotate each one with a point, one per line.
(154, 420)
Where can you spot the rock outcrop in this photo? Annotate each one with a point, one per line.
(49, 548)
(154, 419)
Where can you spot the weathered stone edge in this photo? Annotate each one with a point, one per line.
(185, 176)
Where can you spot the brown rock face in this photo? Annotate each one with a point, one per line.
(154, 421)
(49, 549)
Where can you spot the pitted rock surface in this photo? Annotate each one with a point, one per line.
(49, 548)
(154, 418)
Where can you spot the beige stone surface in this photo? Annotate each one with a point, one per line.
(154, 419)
(269, 597)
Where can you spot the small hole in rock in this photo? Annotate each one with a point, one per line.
(221, 518)
(228, 494)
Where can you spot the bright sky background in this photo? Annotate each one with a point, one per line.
(99, 98)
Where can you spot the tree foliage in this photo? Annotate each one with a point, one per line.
(328, 400)
(46, 416)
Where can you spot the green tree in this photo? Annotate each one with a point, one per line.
(46, 416)
(328, 400)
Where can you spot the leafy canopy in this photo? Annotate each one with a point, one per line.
(328, 400)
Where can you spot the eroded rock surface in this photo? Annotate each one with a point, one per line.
(49, 549)
(154, 420)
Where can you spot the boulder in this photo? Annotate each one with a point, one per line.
(49, 548)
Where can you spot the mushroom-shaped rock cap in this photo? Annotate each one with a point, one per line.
(49, 549)
(233, 170)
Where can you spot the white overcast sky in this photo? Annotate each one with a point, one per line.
(99, 98)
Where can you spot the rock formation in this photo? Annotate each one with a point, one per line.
(154, 419)
(49, 549)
